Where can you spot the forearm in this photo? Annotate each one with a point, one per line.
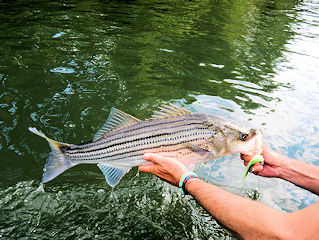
(248, 219)
(301, 174)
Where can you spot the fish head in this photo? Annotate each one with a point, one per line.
(248, 142)
(230, 138)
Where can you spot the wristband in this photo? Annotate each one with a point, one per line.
(183, 181)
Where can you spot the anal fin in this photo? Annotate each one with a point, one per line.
(113, 175)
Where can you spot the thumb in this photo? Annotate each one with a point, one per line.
(150, 166)
(151, 157)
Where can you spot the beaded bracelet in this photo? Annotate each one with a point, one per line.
(183, 181)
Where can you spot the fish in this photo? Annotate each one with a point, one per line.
(171, 131)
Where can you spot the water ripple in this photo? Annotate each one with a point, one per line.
(62, 70)
(253, 62)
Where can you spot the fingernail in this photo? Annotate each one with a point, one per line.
(252, 170)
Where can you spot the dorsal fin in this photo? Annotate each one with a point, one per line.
(170, 110)
(115, 120)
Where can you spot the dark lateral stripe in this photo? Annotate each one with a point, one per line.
(144, 141)
(142, 136)
(143, 127)
(131, 159)
(119, 138)
(162, 121)
(154, 135)
(146, 129)
(129, 153)
(123, 150)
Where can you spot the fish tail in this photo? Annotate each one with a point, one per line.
(57, 161)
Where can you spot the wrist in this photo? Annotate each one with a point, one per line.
(283, 168)
(190, 184)
(184, 180)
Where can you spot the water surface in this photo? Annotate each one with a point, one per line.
(64, 64)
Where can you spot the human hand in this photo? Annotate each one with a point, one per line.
(271, 166)
(166, 168)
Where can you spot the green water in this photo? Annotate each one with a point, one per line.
(64, 64)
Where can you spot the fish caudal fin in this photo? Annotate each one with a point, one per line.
(113, 174)
(57, 162)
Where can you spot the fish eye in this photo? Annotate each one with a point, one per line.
(243, 136)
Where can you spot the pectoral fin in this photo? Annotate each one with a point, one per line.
(199, 155)
(202, 153)
(113, 175)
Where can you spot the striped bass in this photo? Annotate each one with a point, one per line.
(172, 131)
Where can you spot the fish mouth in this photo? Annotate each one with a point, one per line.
(254, 145)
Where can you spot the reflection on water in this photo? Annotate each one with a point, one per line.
(65, 64)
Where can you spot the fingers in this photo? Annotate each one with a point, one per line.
(246, 158)
(149, 168)
(148, 156)
(160, 153)
(255, 165)
(167, 169)
(152, 157)
(256, 168)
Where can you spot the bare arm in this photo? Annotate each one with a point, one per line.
(253, 220)
(296, 172)
(248, 219)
